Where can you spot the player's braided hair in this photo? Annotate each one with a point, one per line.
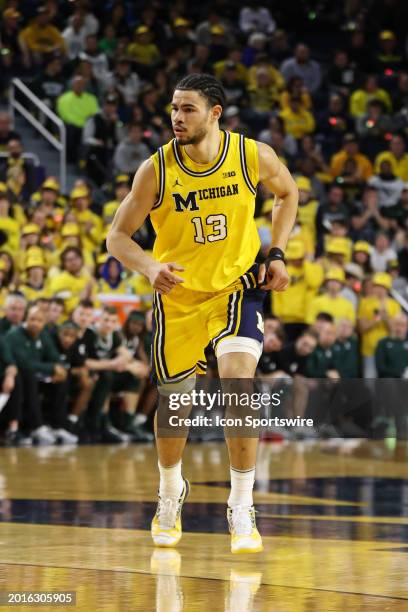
(206, 85)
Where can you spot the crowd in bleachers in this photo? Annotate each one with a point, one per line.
(325, 84)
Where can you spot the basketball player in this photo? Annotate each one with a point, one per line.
(199, 190)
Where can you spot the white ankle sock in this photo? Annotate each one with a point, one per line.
(242, 483)
(171, 481)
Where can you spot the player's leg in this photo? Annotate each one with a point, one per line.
(176, 350)
(233, 367)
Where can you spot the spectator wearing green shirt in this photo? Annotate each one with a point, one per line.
(43, 378)
(391, 355)
(75, 107)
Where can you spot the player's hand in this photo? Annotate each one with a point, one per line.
(276, 277)
(8, 384)
(162, 279)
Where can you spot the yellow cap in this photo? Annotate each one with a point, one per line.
(110, 208)
(383, 279)
(387, 35)
(295, 250)
(142, 30)
(303, 183)
(3, 188)
(102, 258)
(51, 183)
(3, 265)
(338, 246)
(180, 22)
(363, 246)
(70, 229)
(79, 192)
(35, 260)
(30, 228)
(217, 29)
(122, 178)
(267, 206)
(336, 274)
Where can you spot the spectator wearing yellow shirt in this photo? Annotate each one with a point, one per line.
(40, 37)
(143, 51)
(331, 301)
(298, 121)
(336, 253)
(90, 223)
(35, 285)
(8, 226)
(49, 193)
(73, 283)
(295, 88)
(70, 235)
(350, 150)
(305, 279)
(360, 98)
(375, 313)
(308, 206)
(397, 157)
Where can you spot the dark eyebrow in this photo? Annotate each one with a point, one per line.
(185, 105)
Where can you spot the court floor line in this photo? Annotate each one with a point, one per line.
(267, 584)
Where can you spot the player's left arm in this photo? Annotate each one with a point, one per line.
(277, 179)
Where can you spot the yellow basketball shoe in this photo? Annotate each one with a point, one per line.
(245, 537)
(166, 524)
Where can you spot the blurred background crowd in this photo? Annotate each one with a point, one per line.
(324, 83)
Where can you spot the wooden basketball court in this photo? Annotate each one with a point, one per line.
(334, 521)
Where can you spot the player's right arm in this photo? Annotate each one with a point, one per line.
(129, 217)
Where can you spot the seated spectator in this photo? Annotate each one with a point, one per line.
(273, 343)
(391, 353)
(324, 361)
(348, 357)
(295, 88)
(389, 187)
(310, 149)
(75, 107)
(14, 311)
(40, 38)
(42, 376)
(90, 223)
(6, 131)
(374, 127)
(333, 124)
(400, 97)
(338, 236)
(234, 55)
(360, 98)
(97, 59)
(397, 156)
(16, 159)
(350, 150)
(388, 58)
(109, 41)
(302, 66)
(375, 313)
(308, 206)
(263, 96)
(279, 49)
(366, 218)
(399, 283)
(255, 18)
(334, 209)
(203, 34)
(90, 22)
(34, 285)
(331, 300)
(182, 37)
(268, 135)
(55, 314)
(73, 283)
(352, 286)
(382, 252)
(256, 45)
(234, 86)
(50, 83)
(297, 120)
(362, 255)
(75, 35)
(233, 123)
(343, 75)
(123, 81)
(142, 51)
(10, 385)
(131, 152)
(112, 280)
(100, 136)
(8, 225)
(9, 36)
(305, 279)
(397, 216)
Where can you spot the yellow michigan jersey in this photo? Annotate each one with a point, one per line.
(204, 214)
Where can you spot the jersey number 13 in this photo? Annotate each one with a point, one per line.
(219, 228)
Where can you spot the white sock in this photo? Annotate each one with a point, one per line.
(171, 481)
(73, 418)
(242, 483)
(140, 419)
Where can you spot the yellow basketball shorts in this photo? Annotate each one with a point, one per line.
(185, 322)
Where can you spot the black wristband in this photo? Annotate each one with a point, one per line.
(275, 254)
